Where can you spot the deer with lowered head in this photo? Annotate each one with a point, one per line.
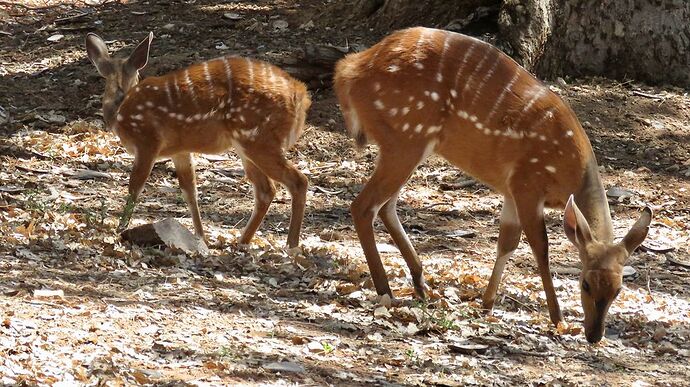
(421, 91)
(209, 107)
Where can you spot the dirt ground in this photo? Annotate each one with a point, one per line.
(79, 306)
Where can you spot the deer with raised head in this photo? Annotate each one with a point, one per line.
(421, 91)
(208, 107)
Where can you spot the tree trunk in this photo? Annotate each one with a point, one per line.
(648, 40)
(388, 15)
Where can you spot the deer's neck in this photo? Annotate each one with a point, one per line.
(591, 200)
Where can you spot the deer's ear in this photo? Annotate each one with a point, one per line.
(97, 52)
(575, 225)
(140, 56)
(638, 232)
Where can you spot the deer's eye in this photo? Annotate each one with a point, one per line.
(585, 286)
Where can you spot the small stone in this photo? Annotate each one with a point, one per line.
(659, 333)
(280, 25)
(233, 16)
(168, 26)
(55, 38)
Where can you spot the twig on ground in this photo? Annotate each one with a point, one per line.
(647, 95)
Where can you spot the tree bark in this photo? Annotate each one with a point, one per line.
(647, 40)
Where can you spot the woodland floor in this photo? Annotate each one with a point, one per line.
(79, 306)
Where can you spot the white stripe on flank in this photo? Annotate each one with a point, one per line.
(503, 94)
(535, 97)
(272, 77)
(463, 64)
(190, 86)
(178, 93)
(446, 45)
(487, 77)
(228, 76)
(207, 75)
(476, 70)
(250, 73)
(168, 93)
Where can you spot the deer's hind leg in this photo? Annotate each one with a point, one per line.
(264, 192)
(272, 162)
(395, 164)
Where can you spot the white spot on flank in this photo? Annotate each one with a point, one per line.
(550, 168)
(439, 77)
(542, 137)
(405, 110)
(479, 125)
(487, 131)
(463, 114)
(137, 117)
(197, 116)
(180, 116)
(420, 105)
(172, 115)
(434, 129)
(419, 66)
(434, 96)
(379, 104)
(377, 86)
(410, 98)
(137, 89)
(393, 68)
(140, 107)
(497, 132)
(473, 118)
(120, 118)
(155, 88)
(534, 160)
(163, 109)
(405, 127)
(227, 116)
(555, 142)
(149, 103)
(393, 112)
(453, 93)
(569, 133)
(418, 128)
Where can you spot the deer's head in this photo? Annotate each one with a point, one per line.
(602, 265)
(121, 74)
